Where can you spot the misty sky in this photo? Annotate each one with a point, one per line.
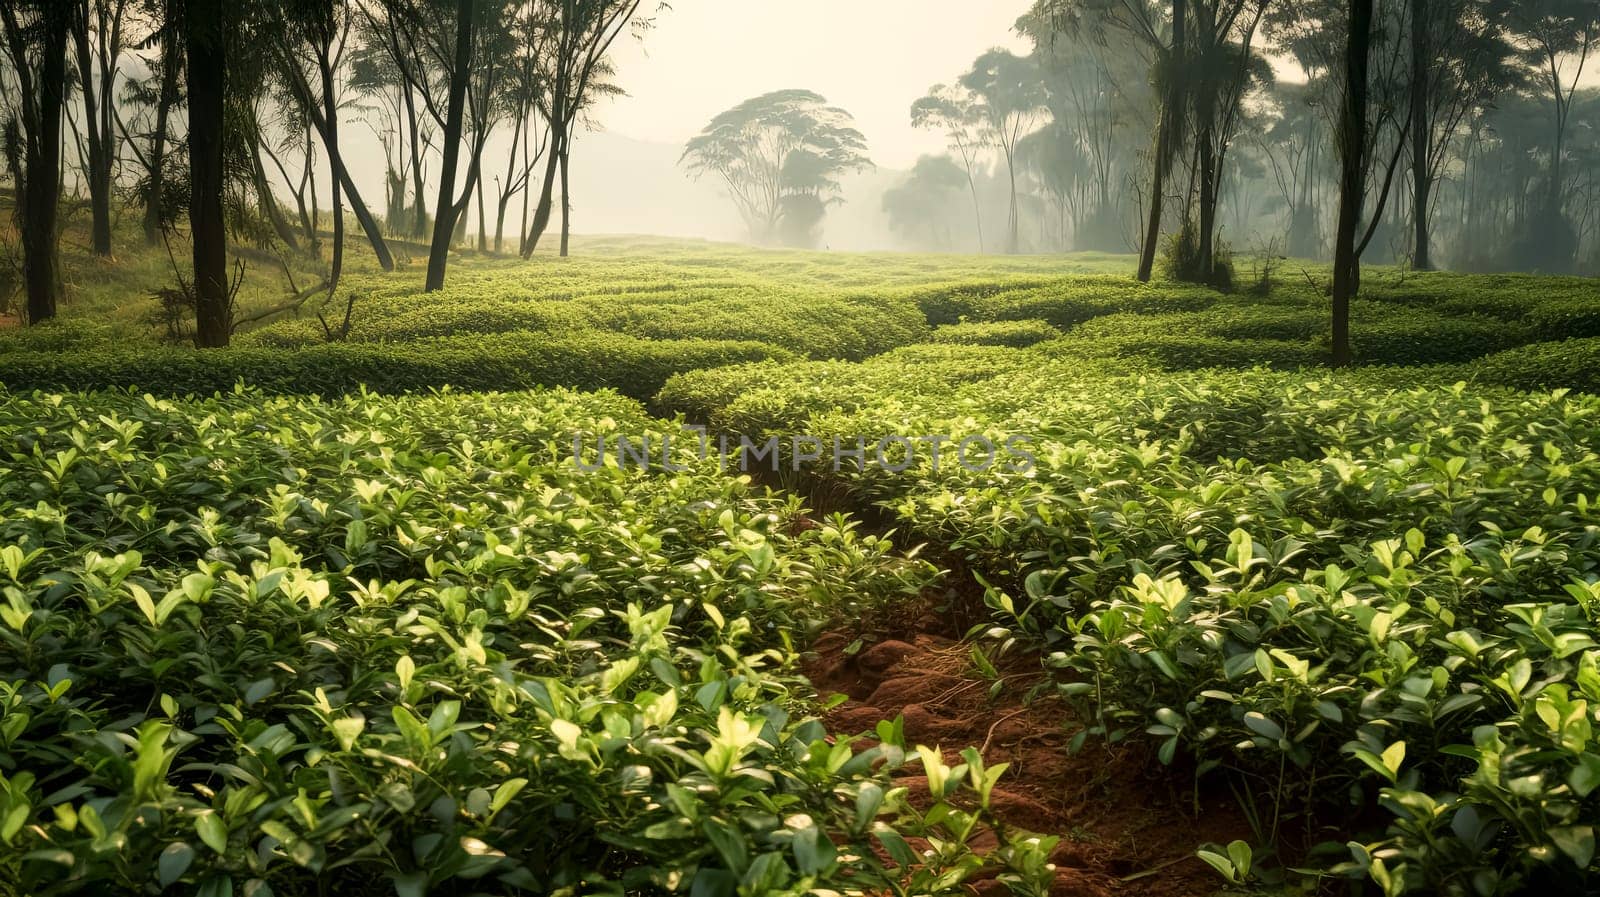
(873, 57)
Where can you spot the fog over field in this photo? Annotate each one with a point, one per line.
(703, 56)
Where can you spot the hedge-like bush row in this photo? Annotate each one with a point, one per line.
(634, 367)
(1243, 336)
(1568, 364)
(813, 326)
(1016, 334)
(1065, 302)
(920, 373)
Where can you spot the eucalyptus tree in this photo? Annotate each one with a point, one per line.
(1317, 35)
(1009, 94)
(150, 104)
(454, 57)
(36, 49)
(1057, 165)
(405, 129)
(1222, 67)
(919, 206)
(98, 39)
(1460, 61)
(1555, 39)
(311, 39)
(952, 111)
(778, 155)
(1160, 34)
(577, 72)
(524, 98)
(1097, 98)
(207, 31)
(1353, 152)
(289, 130)
(1291, 143)
(447, 208)
(252, 104)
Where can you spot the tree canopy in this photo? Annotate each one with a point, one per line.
(780, 156)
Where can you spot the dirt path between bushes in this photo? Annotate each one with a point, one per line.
(1127, 825)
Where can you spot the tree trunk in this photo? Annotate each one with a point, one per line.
(1166, 125)
(419, 221)
(541, 213)
(1208, 204)
(1014, 222)
(153, 209)
(566, 204)
(977, 207)
(336, 162)
(1352, 175)
(1421, 138)
(1207, 151)
(483, 227)
(329, 132)
(268, 202)
(99, 174)
(1152, 230)
(522, 229)
(39, 184)
(207, 54)
(369, 225)
(445, 212)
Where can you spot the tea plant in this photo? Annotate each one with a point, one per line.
(255, 645)
(1345, 597)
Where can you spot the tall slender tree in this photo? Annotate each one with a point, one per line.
(1010, 94)
(1164, 39)
(151, 102)
(444, 221)
(586, 31)
(1169, 136)
(36, 44)
(1460, 61)
(950, 109)
(312, 37)
(97, 33)
(1556, 39)
(206, 29)
(1352, 173)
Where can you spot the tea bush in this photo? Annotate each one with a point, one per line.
(1569, 364)
(1559, 319)
(1016, 334)
(1063, 303)
(1351, 599)
(409, 646)
(266, 644)
(505, 361)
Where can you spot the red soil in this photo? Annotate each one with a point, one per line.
(1127, 825)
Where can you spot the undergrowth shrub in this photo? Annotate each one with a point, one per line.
(1181, 261)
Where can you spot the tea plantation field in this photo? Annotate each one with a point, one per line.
(301, 617)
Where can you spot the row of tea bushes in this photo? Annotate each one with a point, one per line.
(256, 646)
(1370, 603)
